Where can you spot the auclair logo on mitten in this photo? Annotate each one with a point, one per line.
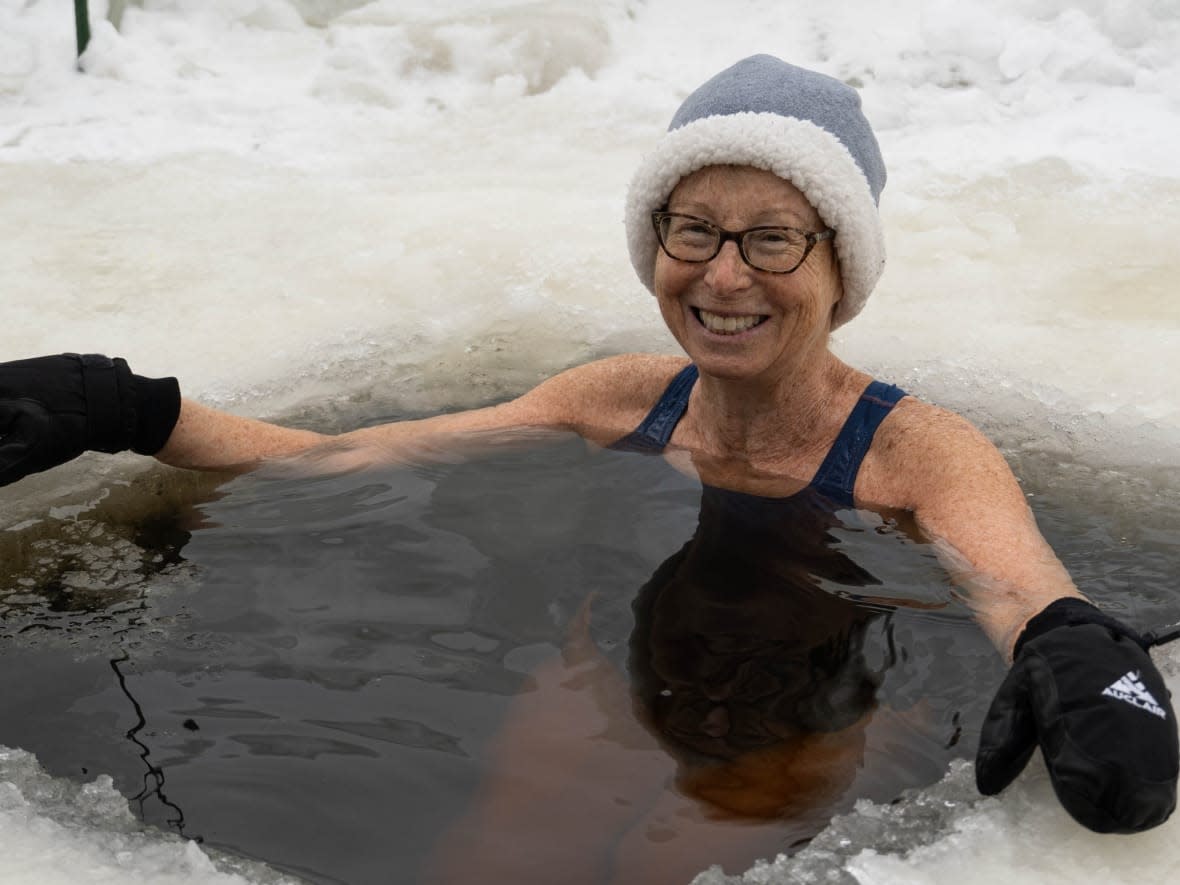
(1129, 688)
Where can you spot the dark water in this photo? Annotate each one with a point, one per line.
(313, 672)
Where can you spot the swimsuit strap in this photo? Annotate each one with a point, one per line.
(653, 433)
(837, 475)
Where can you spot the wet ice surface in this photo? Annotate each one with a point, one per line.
(60, 832)
(949, 833)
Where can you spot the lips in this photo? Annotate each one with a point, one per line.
(727, 325)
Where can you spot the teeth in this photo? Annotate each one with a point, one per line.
(727, 325)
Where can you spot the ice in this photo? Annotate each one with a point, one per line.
(948, 832)
(306, 207)
(57, 832)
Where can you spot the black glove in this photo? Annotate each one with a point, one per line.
(54, 408)
(1083, 686)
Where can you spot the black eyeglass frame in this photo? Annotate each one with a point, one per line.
(737, 236)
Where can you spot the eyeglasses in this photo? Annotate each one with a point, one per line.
(772, 249)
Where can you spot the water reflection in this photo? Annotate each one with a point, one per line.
(758, 653)
(154, 778)
(764, 686)
(736, 643)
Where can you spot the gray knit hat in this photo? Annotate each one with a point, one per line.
(804, 127)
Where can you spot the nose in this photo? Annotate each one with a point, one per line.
(727, 272)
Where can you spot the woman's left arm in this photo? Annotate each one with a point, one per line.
(969, 504)
(1082, 685)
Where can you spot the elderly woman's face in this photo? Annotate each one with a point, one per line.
(735, 321)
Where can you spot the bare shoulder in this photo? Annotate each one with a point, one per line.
(601, 401)
(623, 380)
(604, 399)
(940, 467)
(923, 452)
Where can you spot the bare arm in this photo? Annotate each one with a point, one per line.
(967, 501)
(600, 400)
(206, 439)
(1113, 763)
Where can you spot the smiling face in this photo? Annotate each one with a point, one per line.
(734, 321)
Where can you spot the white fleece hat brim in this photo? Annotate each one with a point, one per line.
(799, 151)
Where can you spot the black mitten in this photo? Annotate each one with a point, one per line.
(54, 408)
(1083, 687)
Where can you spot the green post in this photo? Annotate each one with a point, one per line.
(81, 25)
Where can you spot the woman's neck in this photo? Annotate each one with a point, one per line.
(766, 421)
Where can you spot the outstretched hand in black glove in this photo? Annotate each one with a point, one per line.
(54, 408)
(1084, 688)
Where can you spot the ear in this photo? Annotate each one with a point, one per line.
(835, 305)
(839, 287)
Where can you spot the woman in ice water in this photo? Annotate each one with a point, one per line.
(754, 224)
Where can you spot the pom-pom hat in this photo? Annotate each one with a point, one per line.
(801, 125)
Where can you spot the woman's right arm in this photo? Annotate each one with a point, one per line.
(54, 408)
(600, 401)
(206, 439)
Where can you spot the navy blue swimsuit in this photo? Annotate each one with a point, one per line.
(836, 476)
(752, 631)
